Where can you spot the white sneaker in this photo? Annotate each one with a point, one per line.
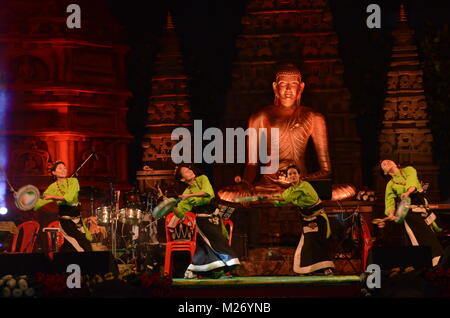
(328, 272)
(189, 274)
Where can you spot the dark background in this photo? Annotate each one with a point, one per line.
(208, 30)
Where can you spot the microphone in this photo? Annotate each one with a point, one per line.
(95, 155)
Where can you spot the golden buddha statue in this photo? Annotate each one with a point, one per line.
(296, 125)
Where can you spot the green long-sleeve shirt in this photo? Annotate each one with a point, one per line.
(201, 184)
(300, 194)
(68, 189)
(404, 179)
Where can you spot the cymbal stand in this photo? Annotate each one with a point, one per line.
(115, 212)
(92, 203)
(82, 164)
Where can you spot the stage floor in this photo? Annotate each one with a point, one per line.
(270, 286)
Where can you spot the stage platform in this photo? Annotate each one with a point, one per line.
(269, 286)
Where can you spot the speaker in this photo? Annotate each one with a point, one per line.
(90, 263)
(405, 256)
(23, 264)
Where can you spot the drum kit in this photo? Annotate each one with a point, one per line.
(130, 225)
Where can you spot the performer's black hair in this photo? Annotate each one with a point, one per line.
(178, 175)
(54, 166)
(293, 167)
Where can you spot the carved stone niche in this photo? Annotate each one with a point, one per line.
(387, 144)
(419, 143)
(161, 112)
(286, 46)
(329, 46)
(405, 108)
(29, 157)
(390, 108)
(157, 147)
(310, 47)
(285, 4)
(286, 22)
(29, 69)
(392, 82)
(405, 81)
(263, 49)
(324, 74)
(312, 4)
(258, 4)
(266, 4)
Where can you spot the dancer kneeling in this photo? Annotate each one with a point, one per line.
(213, 257)
(312, 253)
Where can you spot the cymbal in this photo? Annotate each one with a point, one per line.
(90, 192)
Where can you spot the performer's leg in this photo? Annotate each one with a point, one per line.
(421, 234)
(77, 239)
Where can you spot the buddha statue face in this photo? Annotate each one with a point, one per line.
(288, 88)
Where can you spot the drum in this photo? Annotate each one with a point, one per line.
(130, 216)
(104, 215)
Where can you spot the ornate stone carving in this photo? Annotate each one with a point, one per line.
(27, 69)
(29, 157)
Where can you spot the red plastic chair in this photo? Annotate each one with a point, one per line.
(30, 231)
(59, 238)
(180, 244)
(230, 232)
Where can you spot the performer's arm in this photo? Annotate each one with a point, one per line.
(411, 180)
(186, 204)
(287, 197)
(41, 202)
(389, 200)
(71, 194)
(320, 139)
(185, 196)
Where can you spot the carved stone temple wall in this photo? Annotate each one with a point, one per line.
(168, 109)
(405, 136)
(302, 32)
(65, 92)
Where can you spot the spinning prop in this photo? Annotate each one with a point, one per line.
(400, 213)
(255, 198)
(165, 207)
(27, 197)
